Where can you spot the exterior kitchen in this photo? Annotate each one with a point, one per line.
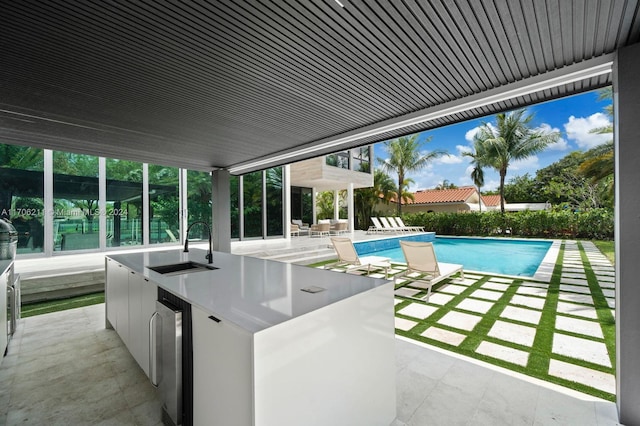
(150, 135)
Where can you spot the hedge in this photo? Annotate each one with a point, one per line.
(594, 224)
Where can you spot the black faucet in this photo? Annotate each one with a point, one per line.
(186, 240)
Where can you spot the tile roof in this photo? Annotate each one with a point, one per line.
(433, 196)
(491, 200)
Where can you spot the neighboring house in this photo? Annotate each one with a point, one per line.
(463, 199)
(492, 202)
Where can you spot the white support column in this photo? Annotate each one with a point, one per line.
(627, 231)
(350, 208)
(184, 213)
(48, 203)
(286, 200)
(146, 220)
(314, 209)
(221, 211)
(336, 204)
(102, 202)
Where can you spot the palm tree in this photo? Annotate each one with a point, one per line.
(477, 173)
(511, 139)
(365, 199)
(404, 157)
(445, 184)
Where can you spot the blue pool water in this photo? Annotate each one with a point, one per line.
(509, 257)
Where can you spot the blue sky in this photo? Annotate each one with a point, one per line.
(573, 117)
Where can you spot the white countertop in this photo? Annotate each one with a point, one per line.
(4, 265)
(252, 293)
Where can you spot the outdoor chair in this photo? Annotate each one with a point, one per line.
(338, 228)
(376, 227)
(319, 229)
(400, 223)
(421, 258)
(295, 230)
(347, 256)
(303, 228)
(379, 227)
(390, 228)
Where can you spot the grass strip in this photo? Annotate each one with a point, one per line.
(38, 308)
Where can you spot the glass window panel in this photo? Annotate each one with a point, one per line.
(75, 202)
(22, 194)
(199, 203)
(361, 162)
(164, 204)
(252, 192)
(274, 201)
(340, 159)
(124, 203)
(234, 183)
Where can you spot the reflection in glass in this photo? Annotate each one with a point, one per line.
(199, 203)
(339, 159)
(75, 201)
(274, 201)
(124, 203)
(22, 194)
(252, 194)
(164, 204)
(234, 191)
(361, 162)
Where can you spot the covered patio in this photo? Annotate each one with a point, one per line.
(235, 87)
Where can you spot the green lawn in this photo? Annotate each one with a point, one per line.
(28, 310)
(607, 248)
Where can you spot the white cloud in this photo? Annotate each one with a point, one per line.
(531, 163)
(578, 130)
(561, 144)
(449, 159)
(471, 133)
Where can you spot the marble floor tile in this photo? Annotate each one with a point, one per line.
(452, 289)
(404, 324)
(440, 298)
(611, 302)
(487, 294)
(490, 285)
(445, 336)
(574, 275)
(586, 350)
(505, 353)
(521, 314)
(531, 302)
(407, 292)
(532, 291)
(479, 306)
(502, 280)
(397, 301)
(579, 326)
(417, 310)
(577, 298)
(460, 320)
(514, 333)
(583, 289)
(608, 292)
(578, 310)
(576, 373)
(574, 281)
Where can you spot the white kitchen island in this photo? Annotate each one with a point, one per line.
(266, 352)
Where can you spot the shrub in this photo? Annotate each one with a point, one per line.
(589, 224)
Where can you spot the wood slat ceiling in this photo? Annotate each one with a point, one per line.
(213, 84)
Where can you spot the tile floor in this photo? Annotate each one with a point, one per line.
(455, 316)
(65, 368)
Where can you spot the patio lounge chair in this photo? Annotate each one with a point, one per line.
(421, 257)
(348, 256)
(376, 227)
(339, 227)
(401, 224)
(388, 227)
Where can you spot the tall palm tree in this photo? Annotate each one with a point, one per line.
(511, 139)
(365, 199)
(405, 156)
(477, 173)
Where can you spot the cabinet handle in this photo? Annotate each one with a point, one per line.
(211, 317)
(152, 351)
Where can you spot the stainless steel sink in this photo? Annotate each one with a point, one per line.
(182, 268)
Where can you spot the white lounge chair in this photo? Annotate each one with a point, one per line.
(400, 223)
(390, 228)
(421, 258)
(376, 228)
(348, 256)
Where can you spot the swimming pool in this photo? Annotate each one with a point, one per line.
(501, 256)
